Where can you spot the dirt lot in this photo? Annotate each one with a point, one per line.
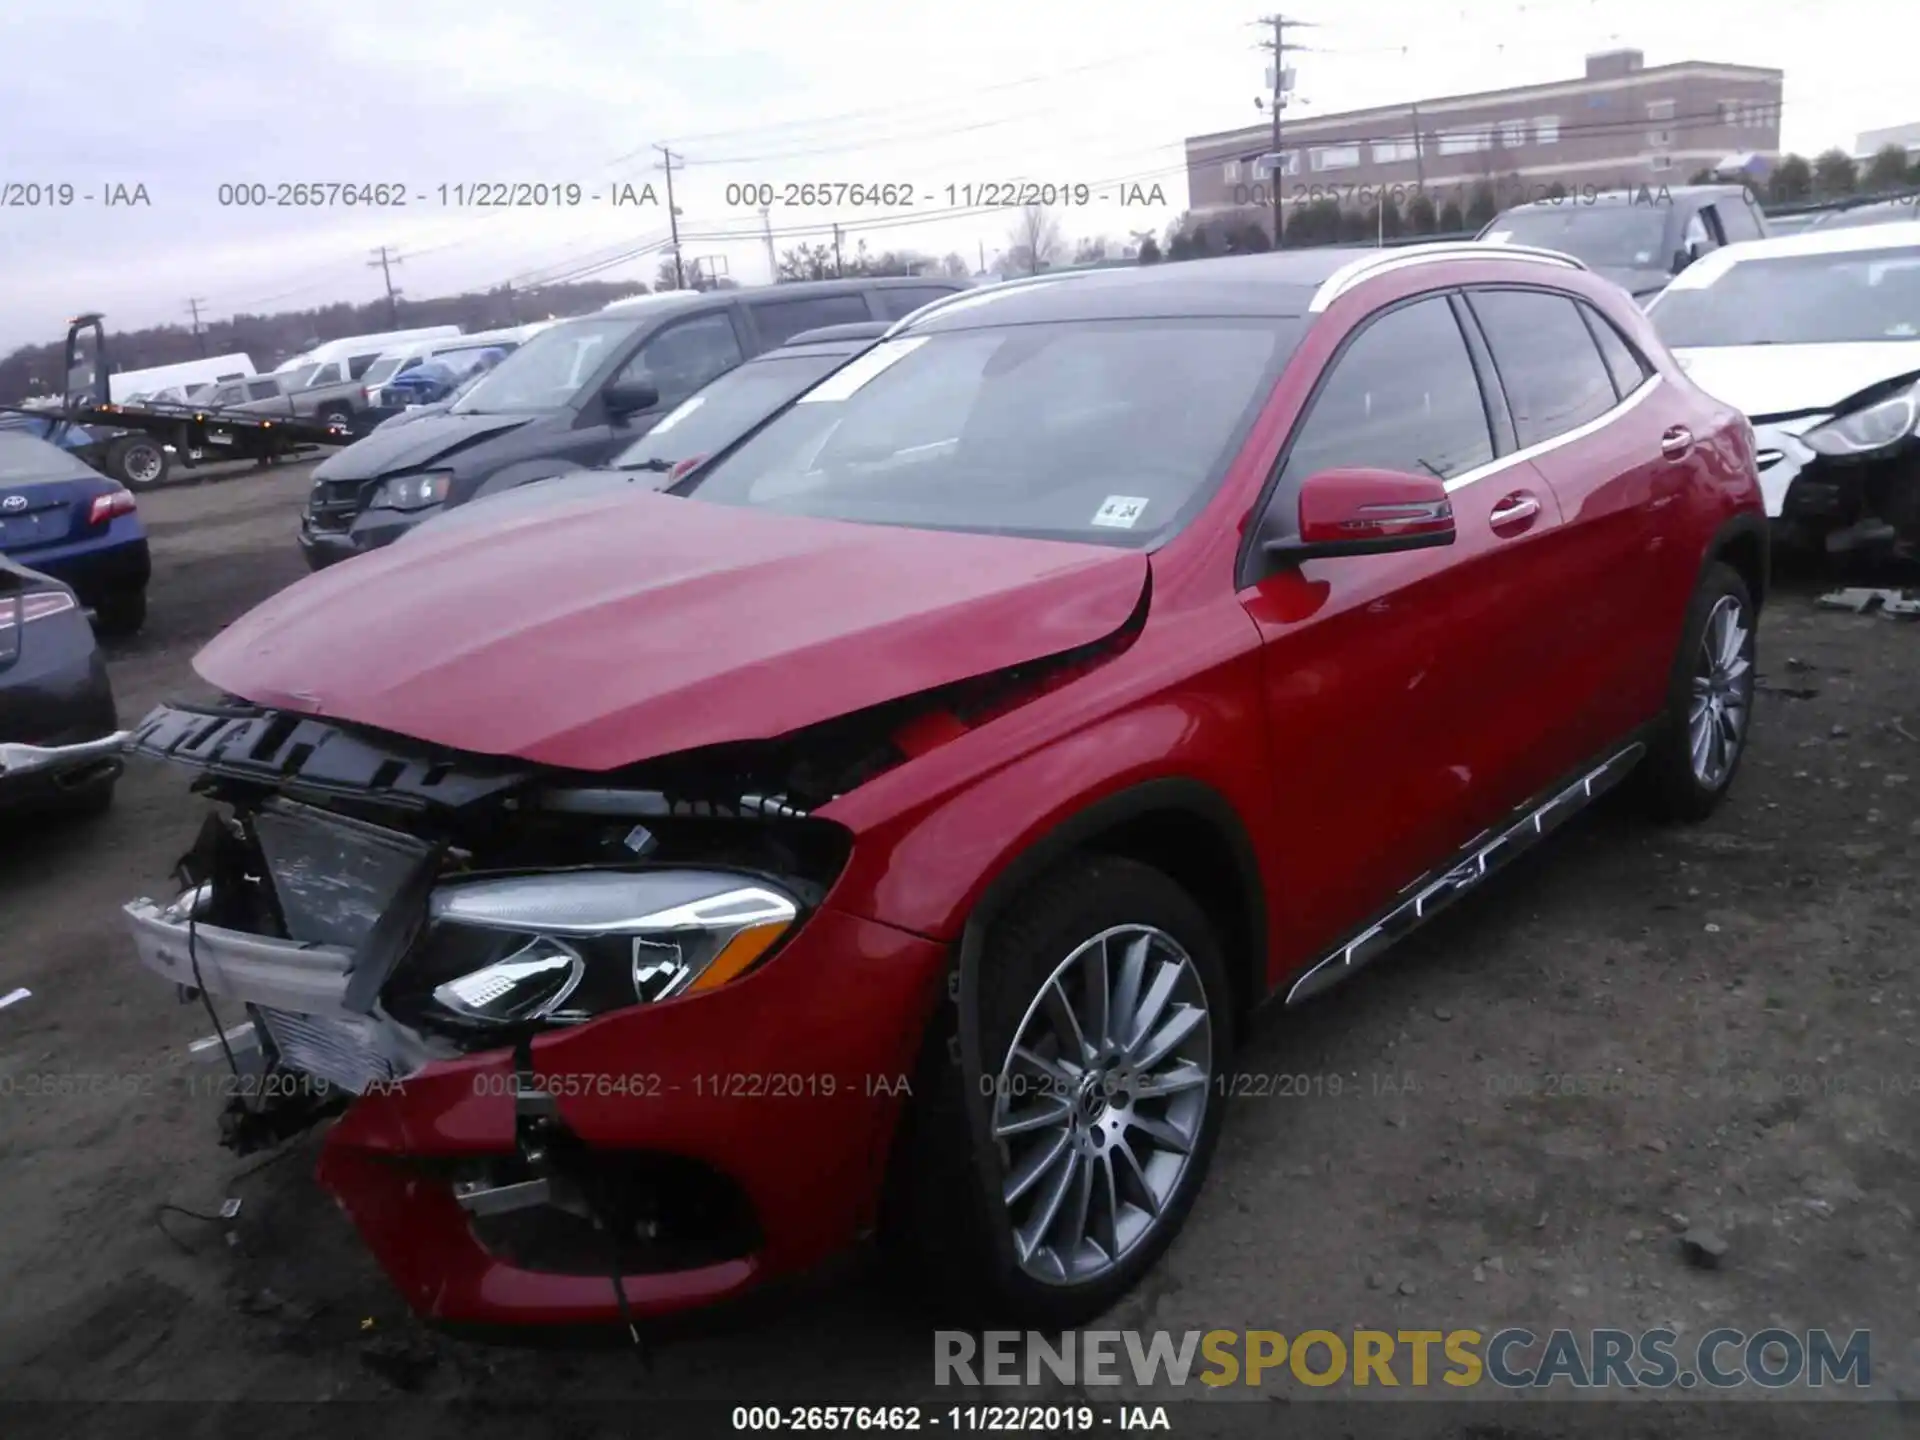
(1637, 1032)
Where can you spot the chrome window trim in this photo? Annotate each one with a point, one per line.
(1384, 262)
(1565, 437)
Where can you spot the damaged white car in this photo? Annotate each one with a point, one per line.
(1816, 337)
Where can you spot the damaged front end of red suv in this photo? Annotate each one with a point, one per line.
(593, 1041)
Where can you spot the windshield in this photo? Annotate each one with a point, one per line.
(301, 378)
(1607, 237)
(1109, 431)
(715, 417)
(547, 371)
(1798, 300)
(381, 370)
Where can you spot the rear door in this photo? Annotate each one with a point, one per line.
(1398, 687)
(1592, 416)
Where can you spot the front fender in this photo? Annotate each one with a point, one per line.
(927, 867)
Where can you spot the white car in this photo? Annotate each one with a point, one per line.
(1816, 337)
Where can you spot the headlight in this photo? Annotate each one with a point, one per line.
(1874, 427)
(413, 492)
(562, 949)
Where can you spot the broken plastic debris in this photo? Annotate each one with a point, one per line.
(1860, 599)
(229, 1208)
(15, 998)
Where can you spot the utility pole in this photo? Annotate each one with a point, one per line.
(839, 268)
(385, 263)
(199, 335)
(513, 308)
(1419, 153)
(1278, 47)
(766, 229)
(673, 215)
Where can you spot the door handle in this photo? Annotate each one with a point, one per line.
(1676, 442)
(1514, 512)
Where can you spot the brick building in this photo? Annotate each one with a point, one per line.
(1621, 124)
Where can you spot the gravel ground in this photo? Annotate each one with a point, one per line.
(1633, 1034)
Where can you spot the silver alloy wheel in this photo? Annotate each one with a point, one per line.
(1722, 693)
(143, 463)
(1100, 1101)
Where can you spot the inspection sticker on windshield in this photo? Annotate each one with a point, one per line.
(1122, 512)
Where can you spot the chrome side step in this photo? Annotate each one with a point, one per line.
(1482, 858)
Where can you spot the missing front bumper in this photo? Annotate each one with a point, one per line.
(294, 992)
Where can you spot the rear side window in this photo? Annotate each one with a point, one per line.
(1549, 365)
(262, 389)
(1403, 397)
(898, 303)
(1737, 220)
(777, 320)
(1624, 363)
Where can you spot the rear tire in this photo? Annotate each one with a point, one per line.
(121, 615)
(138, 462)
(1696, 752)
(1072, 1241)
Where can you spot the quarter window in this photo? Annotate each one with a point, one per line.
(1624, 363)
(898, 302)
(1403, 397)
(776, 320)
(1549, 364)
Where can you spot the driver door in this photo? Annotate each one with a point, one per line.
(676, 360)
(1397, 687)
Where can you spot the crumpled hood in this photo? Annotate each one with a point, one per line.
(617, 628)
(1763, 380)
(408, 447)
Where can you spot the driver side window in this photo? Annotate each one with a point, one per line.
(684, 356)
(1404, 396)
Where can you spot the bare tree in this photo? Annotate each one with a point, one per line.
(1035, 242)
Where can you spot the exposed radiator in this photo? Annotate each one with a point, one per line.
(334, 1050)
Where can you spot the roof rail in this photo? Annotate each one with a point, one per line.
(1379, 261)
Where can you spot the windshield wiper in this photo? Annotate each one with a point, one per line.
(656, 465)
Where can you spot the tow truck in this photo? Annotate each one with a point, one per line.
(145, 438)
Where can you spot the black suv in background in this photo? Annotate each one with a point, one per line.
(574, 395)
(1640, 238)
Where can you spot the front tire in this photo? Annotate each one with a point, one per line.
(1696, 751)
(1106, 1026)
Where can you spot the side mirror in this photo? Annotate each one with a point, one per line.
(1366, 512)
(629, 397)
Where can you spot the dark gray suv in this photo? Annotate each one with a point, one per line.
(574, 395)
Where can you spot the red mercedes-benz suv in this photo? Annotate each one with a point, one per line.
(893, 827)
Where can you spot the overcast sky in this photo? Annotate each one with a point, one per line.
(201, 93)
